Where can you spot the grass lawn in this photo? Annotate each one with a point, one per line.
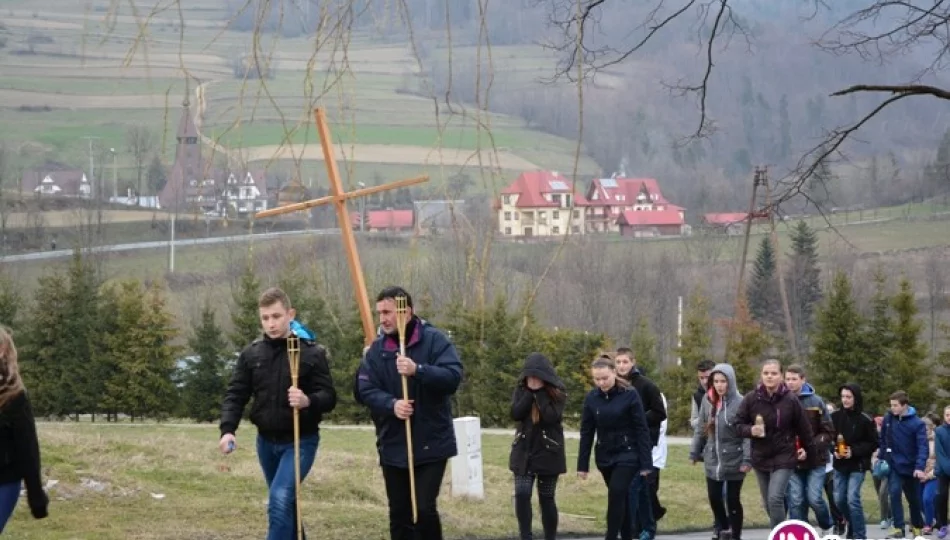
(96, 87)
(109, 476)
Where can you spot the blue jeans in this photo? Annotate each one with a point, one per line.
(640, 506)
(277, 462)
(929, 495)
(911, 488)
(848, 501)
(809, 485)
(9, 495)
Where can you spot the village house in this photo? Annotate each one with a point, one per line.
(388, 220)
(540, 204)
(437, 216)
(731, 223)
(632, 206)
(56, 179)
(192, 188)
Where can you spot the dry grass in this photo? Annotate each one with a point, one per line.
(74, 218)
(21, 98)
(107, 476)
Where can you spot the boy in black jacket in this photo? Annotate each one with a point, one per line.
(857, 437)
(263, 370)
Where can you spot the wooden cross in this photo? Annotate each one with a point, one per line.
(338, 198)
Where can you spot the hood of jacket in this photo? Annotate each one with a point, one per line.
(855, 390)
(763, 394)
(538, 365)
(730, 374)
(911, 411)
(807, 390)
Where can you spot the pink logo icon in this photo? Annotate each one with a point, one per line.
(794, 530)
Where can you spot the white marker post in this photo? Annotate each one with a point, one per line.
(467, 465)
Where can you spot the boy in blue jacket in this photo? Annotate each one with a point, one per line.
(942, 471)
(903, 444)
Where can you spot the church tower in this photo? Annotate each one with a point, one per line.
(186, 173)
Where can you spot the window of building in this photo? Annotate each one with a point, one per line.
(506, 199)
(508, 230)
(575, 229)
(577, 214)
(556, 215)
(556, 230)
(507, 216)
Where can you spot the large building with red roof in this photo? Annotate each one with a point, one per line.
(541, 204)
(632, 206)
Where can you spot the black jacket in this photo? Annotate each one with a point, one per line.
(20, 452)
(438, 376)
(538, 448)
(652, 402)
(263, 371)
(859, 431)
(623, 437)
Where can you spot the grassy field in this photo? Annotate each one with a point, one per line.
(109, 479)
(100, 75)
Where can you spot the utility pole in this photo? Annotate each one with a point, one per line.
(92, 162)
(115, 182)
(789, 328)
(740, 285)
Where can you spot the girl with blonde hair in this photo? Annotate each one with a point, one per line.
(19, 446)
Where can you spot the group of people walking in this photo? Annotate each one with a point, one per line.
(801, 449)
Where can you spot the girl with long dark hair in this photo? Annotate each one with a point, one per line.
(19, 446)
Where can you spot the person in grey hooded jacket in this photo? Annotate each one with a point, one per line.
(725, 454)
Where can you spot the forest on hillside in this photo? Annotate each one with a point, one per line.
(767, 100)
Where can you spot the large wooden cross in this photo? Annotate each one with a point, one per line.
(338, 198)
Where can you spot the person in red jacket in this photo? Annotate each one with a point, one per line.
(19, 444)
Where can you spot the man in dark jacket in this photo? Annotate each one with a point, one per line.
(903, 444)
(703, 369)
(435, 372)
(808, 482)
(263, 371)
(649, 509)
(857, 437)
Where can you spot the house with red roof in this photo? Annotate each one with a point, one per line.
(731, 223)
(389, 220)
(632, 206)
(541, 204)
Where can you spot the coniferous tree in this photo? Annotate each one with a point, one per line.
(205, 380)
(747, 344)
(41, 348)
(908, 368)
(244, 315)
(804, 283)
(643, 343)
(80, 334)
(762, 291)
(838, 356)
(877, 346)
(678, 382)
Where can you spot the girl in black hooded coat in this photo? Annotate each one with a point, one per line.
(538, 449)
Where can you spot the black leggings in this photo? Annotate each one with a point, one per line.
(940, 503)
(618, 481)
(547, 485)
(731, 520)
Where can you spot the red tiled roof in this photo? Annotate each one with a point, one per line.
(727, 218)
(647, 218)
(532, 186)
(385, 219)
(629, 188)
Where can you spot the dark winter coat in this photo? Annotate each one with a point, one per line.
(618, 420)
(725, 451)
(438, 376)
(538, 448)
(20, 453)
(903, 443)
(784, 420)
(263, 371)
(822, 429)
(859, 432)
(942, 449)
(652, 402)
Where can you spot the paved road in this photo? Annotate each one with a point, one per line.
(179, 243)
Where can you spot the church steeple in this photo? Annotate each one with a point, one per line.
(187, 171)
